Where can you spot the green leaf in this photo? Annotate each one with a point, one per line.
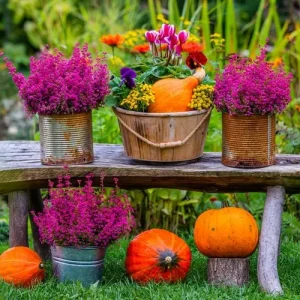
(110, 100)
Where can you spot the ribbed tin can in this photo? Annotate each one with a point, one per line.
(248, 141)
(72, 264)
(66, 139)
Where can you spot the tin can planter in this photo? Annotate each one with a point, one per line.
(163, 137)
(72, 264)
(66, 139)
(248, 141)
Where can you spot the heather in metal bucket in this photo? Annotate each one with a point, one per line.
(63, 91)
(80, 223)
(249, 93)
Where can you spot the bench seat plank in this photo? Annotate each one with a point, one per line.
(20, 168)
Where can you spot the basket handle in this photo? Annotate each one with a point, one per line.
(168, 144)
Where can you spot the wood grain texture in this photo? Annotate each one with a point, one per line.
(188, 129)
(20, 168)
(228, 271)
(269, 242)
(18, 215)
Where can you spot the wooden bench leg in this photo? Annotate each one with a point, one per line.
(18, 215)
(36, 204)
(270, 240)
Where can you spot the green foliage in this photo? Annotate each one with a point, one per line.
(4, 231)
(105, 127)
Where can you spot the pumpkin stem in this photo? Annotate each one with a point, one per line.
(199, 74)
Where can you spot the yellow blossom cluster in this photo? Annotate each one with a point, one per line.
(116, 61)
(193, 38)
(134, 37)
(139, 98)
(162, 19)
(202, 97)
(217, 42)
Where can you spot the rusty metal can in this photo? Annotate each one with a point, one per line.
(248, 141)
(66, 139)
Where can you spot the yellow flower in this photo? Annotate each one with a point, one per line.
(217, 35)
(202, 97)
(116, 61)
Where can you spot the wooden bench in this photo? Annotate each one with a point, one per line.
(22, 175)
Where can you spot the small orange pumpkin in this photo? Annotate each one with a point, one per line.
(226, 232)
(157, 255)
(21, 266)
(174, 95)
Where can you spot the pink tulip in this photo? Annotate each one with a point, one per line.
(167, 30)
(151, 36)
(183, 36)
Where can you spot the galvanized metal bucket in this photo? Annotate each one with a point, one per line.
(66, 139)
(72, 264)
(248, 141)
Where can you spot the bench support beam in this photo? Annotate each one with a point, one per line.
(36, 205)
(269, 244)
(18, 215)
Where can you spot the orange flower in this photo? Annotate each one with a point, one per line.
(297, 106)
(192, 47)
(277, 62)
(143, 48)
(112, 40)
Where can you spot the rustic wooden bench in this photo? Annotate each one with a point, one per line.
(22, 176)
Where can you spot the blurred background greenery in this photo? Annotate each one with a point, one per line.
(27, 25)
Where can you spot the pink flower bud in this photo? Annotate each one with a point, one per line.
(183, 36)
(178, 50)
(167, 30)
(151, 36)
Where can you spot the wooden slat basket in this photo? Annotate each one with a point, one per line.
(163, 137)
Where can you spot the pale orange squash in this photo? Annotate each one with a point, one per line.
(174, 95)
(226, 232)
(21, 266)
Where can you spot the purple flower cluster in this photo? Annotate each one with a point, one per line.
(249, 87)
(82, 216)
(57, 85)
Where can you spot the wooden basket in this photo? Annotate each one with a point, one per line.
(163, 137)
(248, 141)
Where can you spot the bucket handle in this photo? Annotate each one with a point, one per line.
(168, 144)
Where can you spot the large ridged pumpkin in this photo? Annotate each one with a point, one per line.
(21, 266)
(157, 255)
(226, 232)
(174, 95)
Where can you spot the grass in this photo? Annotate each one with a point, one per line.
(115, 284)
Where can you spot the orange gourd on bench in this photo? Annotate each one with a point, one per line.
(174, 95)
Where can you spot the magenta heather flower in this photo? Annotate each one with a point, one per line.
(249, 87)
(82, 216)
(57, 85)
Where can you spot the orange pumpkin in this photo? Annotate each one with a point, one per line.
(174, 95)
(226, 232)
(21, 266)
(157, 255)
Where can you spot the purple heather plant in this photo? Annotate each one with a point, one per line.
(252, 87)
(82, 217)
(57, 85)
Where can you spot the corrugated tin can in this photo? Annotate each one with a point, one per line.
(71, 264)
(248, 141)
(66, 139)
